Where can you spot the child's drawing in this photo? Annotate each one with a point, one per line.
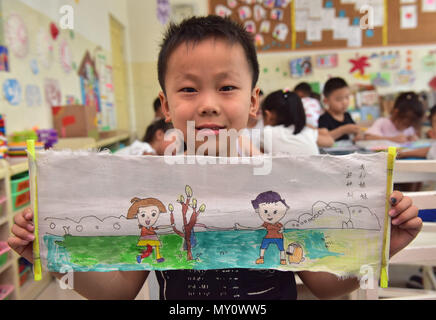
(121, 221)
(147, 212)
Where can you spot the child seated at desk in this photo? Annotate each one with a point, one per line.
(406, 115)
(337, 120)
(153, 142)
(285, 127)
(429, 152)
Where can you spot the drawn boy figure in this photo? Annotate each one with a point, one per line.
(147, 211)
(271, 209)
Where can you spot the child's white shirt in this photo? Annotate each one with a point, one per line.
(313, 111)
(284, 141)
(137, 148)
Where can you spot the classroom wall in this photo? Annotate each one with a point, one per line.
(91, 32)
(143, 36)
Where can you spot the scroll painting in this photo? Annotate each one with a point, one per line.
(103, 212)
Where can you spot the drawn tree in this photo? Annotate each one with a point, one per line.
(188, 227)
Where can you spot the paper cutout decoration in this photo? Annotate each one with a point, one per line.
(44, 45)
(232, 3)
(52, 90)
(244, 13)
(259, 13)
(301, 67)
(432, 83)
(4, 59)
(405, 78)
(66, 56)
(428, 6)
(390, 61)
(359, 64)
(89, 82)
(33, 96)
(381, 79)
(259, 40)
(409, 17)
(12, 91)
(17, 36)
(280, 32)
(250, 26)
(429, 62)
(54, 31)
(34, 66)
(222, 11)
(265, 26)
(335, 225)
(163, 11)
(327, 61)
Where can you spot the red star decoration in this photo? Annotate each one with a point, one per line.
(359, 64)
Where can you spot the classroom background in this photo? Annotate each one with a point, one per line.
(108, 61)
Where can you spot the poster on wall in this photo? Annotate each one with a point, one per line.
(4, 59)
(66, 56)
(301, 67)
(107, 115)
(89, 83)
(12, 91)
(17, 36)
(33, 96)
(45, 48)
(52, 90)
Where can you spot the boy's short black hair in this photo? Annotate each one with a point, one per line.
(156, 104)
(334, 84)
(154, 127)
(409, 104)
(196, 29)
(288, 108)
(305, 88)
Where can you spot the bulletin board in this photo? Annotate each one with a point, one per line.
(424, 33)
(335, 24)
(271, 19)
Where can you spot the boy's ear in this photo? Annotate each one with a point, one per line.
(165, 106)
(254, 106)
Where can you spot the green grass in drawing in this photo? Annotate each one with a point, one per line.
(90, 251)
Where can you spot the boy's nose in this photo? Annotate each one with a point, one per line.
(209, 110)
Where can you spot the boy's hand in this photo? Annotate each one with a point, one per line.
(405, 222)
(23, 228)
(351, 129)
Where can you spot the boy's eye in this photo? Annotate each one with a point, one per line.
(153, 214)
(266, 211)
(143, 215)
(228, 88)
(275, 211)
(188, 90)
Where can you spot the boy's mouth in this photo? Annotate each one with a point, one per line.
(209, 129)
(147, 222)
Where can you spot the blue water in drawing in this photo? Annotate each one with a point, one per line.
(213, 250)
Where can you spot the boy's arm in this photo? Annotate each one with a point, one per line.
(117, 285)
(326, 285)
(346, 129)
(325, 140)
(417, 153)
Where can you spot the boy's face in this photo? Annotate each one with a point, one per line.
(147, 216)
(209, 83)
(272, 212)
(339, 100)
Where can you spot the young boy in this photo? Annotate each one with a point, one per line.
(208, 71)
(337, 120)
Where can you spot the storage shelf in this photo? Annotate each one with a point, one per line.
(31, 288)
(6, 266)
